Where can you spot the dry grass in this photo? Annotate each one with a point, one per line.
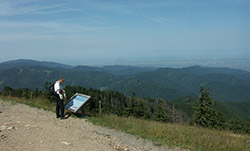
(36, 102)
(174, 135)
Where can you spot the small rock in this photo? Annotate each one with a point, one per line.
(117, 147)
(3, 127)
(41, 141)
(126, 149)
(66, 143)
(3, 136)
(18, 122)
(108, 136)
(27, 126)
(11, 127)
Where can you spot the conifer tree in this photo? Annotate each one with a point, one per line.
(161, 113)
(205, 114)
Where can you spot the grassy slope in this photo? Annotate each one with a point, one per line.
(172, 135)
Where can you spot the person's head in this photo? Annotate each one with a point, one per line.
(60, 80)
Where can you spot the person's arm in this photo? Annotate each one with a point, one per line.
(60, 91)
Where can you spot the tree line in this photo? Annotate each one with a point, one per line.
(114, 102)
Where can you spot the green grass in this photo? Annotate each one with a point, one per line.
(176, 135)
(171, 135)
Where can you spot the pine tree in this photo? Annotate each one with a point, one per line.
(205, 114)
(139, 109)
(161, 113)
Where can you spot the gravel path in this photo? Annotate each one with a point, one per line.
(23, 128)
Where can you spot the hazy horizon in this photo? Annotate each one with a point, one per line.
(96, 32)
(233, 63)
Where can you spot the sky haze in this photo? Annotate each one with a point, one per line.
(85, 31)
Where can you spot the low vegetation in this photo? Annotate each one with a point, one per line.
(40, 103)
(173, 135)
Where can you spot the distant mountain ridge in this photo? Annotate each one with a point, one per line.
(165, 83)
(29, 62)
(116, 69)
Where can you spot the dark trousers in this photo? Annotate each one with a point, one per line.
(59, 106)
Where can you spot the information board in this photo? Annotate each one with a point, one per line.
(75, 103)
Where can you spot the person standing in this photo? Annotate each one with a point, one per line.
(59, 100)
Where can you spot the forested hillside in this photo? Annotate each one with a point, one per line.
(165, 83)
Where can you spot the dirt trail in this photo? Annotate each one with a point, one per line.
(31, 129)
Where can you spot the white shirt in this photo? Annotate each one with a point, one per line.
(57, 86)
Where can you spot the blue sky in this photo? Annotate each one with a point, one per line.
(88, 31)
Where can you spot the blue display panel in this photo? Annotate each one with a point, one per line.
(75, 103)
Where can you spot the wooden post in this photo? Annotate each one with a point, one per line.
(173, 114)
(112, 108)
(31, 95)
(100, 107)
(82, 111)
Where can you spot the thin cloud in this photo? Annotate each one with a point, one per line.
(10, 8)
(133, 7)
(161, 20)
(29, 30)
(25, 36)
(57, 27)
